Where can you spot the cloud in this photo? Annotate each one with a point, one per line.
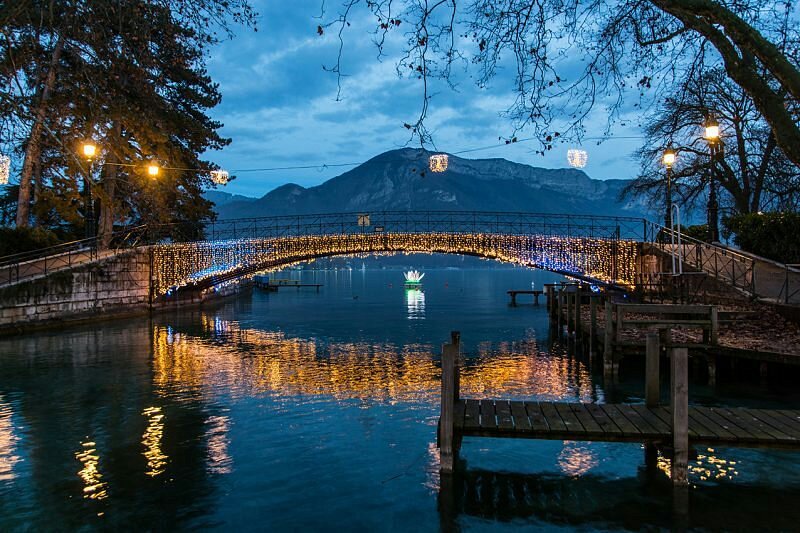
(280, 107)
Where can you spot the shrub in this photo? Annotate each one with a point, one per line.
(772, 235)
(17, 240)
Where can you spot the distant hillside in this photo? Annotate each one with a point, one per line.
(400, 180)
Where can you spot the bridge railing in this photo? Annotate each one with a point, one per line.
(753, 275)
(431, 222)
(18, 267)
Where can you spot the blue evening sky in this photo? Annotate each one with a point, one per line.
(279, 106)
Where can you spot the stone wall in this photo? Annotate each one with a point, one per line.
(115, 285)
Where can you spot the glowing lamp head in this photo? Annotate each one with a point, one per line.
(577, 158)
(711, 133)
(153, 170)
(89, 150)
(438, 162)
(5, 169)
(219, 177)
(669, 157)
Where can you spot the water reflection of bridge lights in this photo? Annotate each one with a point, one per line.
(8, 442)
(415, 304)
(156, 459)
(230, 360)
(94, 487)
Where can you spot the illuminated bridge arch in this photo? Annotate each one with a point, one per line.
(598, 249)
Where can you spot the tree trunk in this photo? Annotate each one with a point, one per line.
(34, 147)
(109, 177)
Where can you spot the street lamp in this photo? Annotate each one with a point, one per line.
(89, 150)
(668, 159)
(711, 135)
(152, 170)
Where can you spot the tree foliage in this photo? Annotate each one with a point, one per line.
(129, 76)
(569, 56)
(772, 235)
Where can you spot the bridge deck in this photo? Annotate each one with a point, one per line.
(625, 423)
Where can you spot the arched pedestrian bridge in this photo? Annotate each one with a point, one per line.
(602, 250)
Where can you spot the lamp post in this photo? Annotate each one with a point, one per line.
(711, 135)
(668, 159)
(89, 150)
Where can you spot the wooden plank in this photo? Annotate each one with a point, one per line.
(569, 418)
(551, 416)
(636, 419)
(521, 422)
(504, 420)
(789, 413)
(586, 419)
(678, 309)
(472, 412)
(720, 420)
(791, 421)
(627, 427)
(536, 417)
(766, 416)
(602, 419)
(701, 430)
(488, 415)
(665, 415)
(458, 415)
(696, 416)
(647, 414)
(759, 428)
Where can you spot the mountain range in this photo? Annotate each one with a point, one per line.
(400, 180)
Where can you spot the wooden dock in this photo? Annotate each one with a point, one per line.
(625, 423)
(273, 285)
(677, 426)
(514, 294)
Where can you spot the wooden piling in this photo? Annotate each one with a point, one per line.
(652, 390)
(578, 325)
(447, 416)
(570, 325)
(680, 415)
(712, 369)
(560, 310)
(592, 324)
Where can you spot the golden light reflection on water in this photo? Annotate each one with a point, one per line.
(707, 467)
(8, 442)
(576, 458)
(94, 487)
(156, 459)
(227, 358)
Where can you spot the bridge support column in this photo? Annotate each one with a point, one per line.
(592, 325)
(570, 318)
(578, 319)
(652, 388)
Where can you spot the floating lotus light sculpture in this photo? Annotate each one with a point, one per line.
(413, 277)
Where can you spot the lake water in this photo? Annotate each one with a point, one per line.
(308, 411)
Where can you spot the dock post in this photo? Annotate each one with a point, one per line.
(712, 369)
(449, 392)
(608, 347)
(570, 325)
(680, 415)
(714, 326)
(592, 324)
(652, 391)
(560, 310)
(578, 325)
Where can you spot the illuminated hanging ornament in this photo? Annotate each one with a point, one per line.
(577, 157)
(5, 169)
(219, 177)
(438, 162)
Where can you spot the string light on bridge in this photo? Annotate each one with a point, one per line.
(219, 177)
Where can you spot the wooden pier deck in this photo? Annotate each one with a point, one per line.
(677, 426)
(514, 293)
(625, 423)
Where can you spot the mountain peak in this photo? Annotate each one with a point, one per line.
(401, 180)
